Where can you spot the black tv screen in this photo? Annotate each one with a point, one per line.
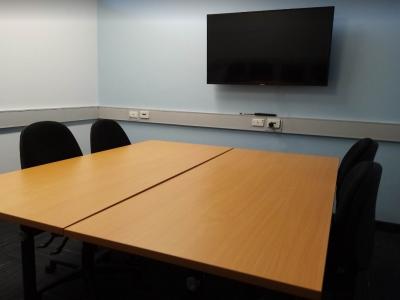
(276, 47)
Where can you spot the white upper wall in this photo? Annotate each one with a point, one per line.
(48, 53)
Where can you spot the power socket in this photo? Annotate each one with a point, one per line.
(258, 122)
(144, 114)
(134, 114)
(274, 123)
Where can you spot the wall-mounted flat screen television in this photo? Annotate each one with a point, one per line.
(276, 47)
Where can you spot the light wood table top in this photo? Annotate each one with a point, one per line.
(53, 196)
(259, 217)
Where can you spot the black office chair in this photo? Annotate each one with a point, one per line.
(107, 134)
(42, 143)
(363, 150)
(352, 235)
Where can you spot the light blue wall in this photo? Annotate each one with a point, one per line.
(152, 54)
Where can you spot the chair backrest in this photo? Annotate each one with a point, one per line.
(46, 142)
(107, 134)
(354, 225)
(363, 150)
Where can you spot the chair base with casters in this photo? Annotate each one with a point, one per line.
(53, 263)
(31, 291)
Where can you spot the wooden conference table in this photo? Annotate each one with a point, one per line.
(255, 216)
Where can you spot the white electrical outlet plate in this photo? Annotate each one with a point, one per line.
(144, 114)
(258, 122)
(274, 123)
(134, 114)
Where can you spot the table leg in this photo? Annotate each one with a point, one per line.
(88, 251)
(28, 264)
